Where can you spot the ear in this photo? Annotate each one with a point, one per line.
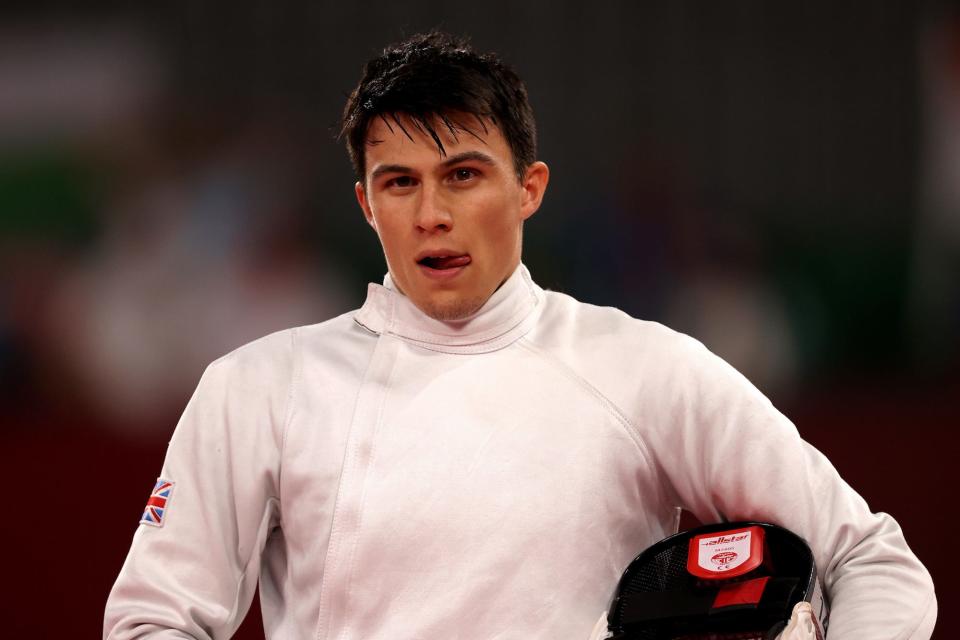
(534, 186)
(364, 204)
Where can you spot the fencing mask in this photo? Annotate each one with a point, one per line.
(743, 580)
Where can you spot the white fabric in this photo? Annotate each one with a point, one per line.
(600, 629)
(802, 625)
(390, 476)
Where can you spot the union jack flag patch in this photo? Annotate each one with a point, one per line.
(157, 504)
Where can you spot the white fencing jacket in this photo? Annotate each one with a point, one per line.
(387, 476)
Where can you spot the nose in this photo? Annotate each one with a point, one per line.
(433, 212)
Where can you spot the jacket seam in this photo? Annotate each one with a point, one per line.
(361, 510)
(235, 609)
(296, 366)
(604, 401)
(287, 412)
(926, 611)
(323, 621)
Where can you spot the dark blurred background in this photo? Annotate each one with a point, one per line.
(780, 180)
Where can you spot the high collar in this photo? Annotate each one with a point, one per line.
(504, 318)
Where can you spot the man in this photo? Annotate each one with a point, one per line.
(467, 455)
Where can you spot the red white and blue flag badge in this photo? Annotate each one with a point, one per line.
(157, 505)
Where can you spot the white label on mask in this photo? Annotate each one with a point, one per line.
(722, 553)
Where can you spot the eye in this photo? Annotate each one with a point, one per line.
(464, 174)
(402, 182)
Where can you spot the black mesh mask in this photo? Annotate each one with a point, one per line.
(721, 581)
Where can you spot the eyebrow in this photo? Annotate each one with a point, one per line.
(466, 156)
(476, 156)
(389, 168)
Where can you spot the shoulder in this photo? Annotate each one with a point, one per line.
(634, 363)
(575, 327)
(276, 356)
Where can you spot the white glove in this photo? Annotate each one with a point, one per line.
(803, 624)
(600, 629)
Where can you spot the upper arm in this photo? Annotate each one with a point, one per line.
(194, 576)
(727, 454)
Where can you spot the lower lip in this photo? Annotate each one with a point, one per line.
(441, 274)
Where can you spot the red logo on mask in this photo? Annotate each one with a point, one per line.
(723, 559)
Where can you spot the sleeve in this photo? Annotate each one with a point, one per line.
(728, 454)
(194, 575)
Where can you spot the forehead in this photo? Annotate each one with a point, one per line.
(401, 140)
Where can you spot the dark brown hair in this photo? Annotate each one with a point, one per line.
(433, 79)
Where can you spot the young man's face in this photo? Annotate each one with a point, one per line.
(450, 226)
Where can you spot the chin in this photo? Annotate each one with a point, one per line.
(451, 310)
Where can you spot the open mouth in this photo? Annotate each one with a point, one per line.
(440, 263)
